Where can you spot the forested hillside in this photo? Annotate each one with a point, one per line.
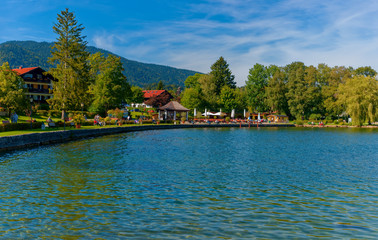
(30, 54)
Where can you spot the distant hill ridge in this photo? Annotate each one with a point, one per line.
(33, 54)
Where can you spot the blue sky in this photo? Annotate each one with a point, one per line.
(194, 34)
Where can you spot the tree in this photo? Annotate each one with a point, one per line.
(191, 98)
(222, 75)
(276, 93)
(160, 85)
(312, 94)
(359, 95)
(255, 86)
(228, 99)
(365, 71)
(332, 80)
(192, 81)
(241, 98)
(208, 91)
(137, 94)
(69, 58)
(296, 88)
(12, 91)
(111, 88)
(95, 62)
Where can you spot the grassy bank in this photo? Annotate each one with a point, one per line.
(29, 131)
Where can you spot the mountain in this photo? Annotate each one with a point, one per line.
(35, 54)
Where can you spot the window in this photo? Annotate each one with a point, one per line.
(39, 76)
(29, 75)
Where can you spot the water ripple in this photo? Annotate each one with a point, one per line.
(199, 184)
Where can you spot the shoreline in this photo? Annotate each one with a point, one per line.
(9, 143)
(334, 126)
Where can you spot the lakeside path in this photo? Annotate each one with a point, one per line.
(8, 143)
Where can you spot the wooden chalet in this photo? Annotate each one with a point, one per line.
(155, 93)
(39, 85)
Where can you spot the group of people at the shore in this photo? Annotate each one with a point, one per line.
(97, 121)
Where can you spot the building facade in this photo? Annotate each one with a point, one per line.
(39, 85)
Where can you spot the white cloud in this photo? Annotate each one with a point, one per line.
(249, 32)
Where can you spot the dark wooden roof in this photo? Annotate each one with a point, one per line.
(174, 106)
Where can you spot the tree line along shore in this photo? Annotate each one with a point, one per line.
(94, 83)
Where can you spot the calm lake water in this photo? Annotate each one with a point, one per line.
(196, 184)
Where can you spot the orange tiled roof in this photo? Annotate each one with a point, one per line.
(22, 70)
(152, 93)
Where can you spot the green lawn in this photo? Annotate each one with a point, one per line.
(21, 119)
(21, 132)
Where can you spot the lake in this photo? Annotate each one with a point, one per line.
(225, 183)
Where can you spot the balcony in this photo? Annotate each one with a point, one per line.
(34, 80)
(32, 90)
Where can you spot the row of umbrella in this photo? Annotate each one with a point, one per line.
(220, 112)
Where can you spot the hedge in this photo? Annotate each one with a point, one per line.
(19, 126)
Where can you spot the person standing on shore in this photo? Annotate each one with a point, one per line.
(15, 117)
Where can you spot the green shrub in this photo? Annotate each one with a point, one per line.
(45, 106)
(36, 107)
(60, 123)
(227, 119)
(19, 126)
(336, 122)
(55, 113)
(315, 116)
(88, 123)
(110, 113)
(43, 113)
(78, 119)
(299, 122)
(90, 114)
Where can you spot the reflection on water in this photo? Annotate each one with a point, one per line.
(203, 183)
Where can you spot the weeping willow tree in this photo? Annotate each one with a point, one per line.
(360, 97)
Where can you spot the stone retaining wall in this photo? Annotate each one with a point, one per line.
(44, 138)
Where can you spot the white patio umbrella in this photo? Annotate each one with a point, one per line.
(233, 113)
(195, 112)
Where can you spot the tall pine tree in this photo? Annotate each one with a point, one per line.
(69, 56)
(222, 75)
